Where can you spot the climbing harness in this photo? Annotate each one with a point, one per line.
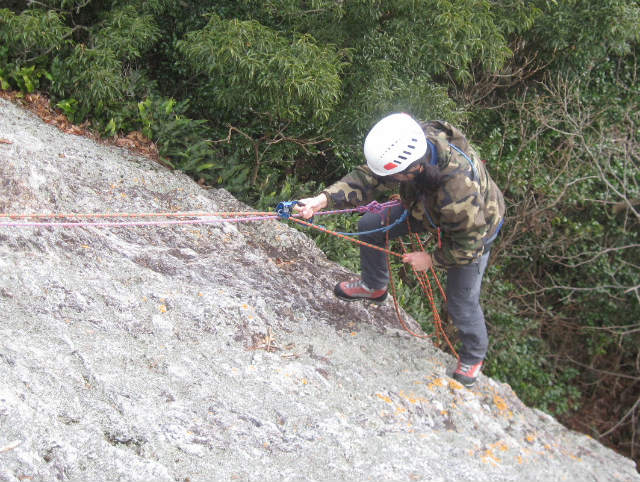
(473, 166)
(283, 211)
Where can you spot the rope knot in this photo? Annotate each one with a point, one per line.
(372, 207)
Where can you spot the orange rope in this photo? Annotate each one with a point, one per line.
(421, 276)
(425, 284)
(348, 238)
(134, 215)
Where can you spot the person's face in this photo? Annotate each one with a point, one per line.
(407, 175)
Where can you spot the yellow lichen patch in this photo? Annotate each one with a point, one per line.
(503, 447)
(384, 397)
(163, 308)
(438, 382)
(530, 438)
(490, 457)
(400, 410)
(412, 398)
(455, 385)
(500, 403)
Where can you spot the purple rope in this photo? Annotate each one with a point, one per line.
(373, 206)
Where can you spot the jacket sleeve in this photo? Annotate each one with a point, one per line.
(355, 189)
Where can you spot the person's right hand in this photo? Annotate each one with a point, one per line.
(309, 206)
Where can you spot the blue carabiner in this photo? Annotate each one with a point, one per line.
(284, 209)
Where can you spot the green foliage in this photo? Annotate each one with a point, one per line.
(26, 79)
(32, 34)
(25, 41)
(180, 140)
(515, 16)
(458, 33)
(93, 77)
(63, 5)
(580, 32)
(127, 33)
(249, 67)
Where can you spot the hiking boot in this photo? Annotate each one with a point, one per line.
(467, 374)
(355, 290)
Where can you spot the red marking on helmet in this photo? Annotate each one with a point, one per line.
(390, 165)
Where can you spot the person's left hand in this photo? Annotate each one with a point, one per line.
(419, 260)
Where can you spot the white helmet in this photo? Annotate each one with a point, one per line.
(393, 144)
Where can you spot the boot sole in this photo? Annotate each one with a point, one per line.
(377, 301)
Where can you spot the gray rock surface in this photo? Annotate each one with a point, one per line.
(141, 353)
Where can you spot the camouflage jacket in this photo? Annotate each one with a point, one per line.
(468, 207)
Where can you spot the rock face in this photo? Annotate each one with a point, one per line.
(218, 352)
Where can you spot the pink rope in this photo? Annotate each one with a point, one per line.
(371, 207)
(105, 224)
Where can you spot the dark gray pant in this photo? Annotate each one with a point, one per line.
(463, 281)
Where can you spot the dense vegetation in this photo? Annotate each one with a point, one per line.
(271, 99)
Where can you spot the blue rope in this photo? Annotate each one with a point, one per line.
(284, 211)
(383, 229)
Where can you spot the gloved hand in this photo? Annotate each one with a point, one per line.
(309, 206)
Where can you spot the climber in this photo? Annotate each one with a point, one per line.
(448, 191)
